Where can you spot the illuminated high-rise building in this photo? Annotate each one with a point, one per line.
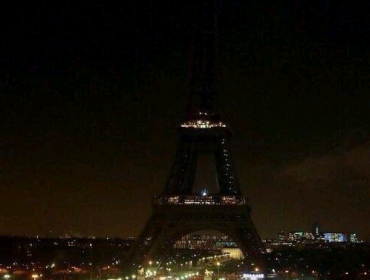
(335, 237)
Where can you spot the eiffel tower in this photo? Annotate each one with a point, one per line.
(178, 210)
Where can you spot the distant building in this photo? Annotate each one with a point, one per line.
(335, 237)
(298, 236)
(316, 230)
(353, 238)
(281, 236)
(234, 253)
(340, 237)
(204, 242)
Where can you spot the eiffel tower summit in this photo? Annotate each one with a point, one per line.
(179, 209)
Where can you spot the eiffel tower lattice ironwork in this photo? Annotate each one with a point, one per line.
(178, 211)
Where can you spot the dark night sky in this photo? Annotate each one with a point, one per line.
(90, 96)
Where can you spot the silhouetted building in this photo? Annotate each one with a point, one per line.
(281, 236)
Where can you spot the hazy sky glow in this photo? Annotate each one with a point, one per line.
(84, 152)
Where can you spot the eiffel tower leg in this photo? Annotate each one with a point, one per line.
(150, 241)
(141, 246)
(238, 225)
(251, 246)
(164, 248)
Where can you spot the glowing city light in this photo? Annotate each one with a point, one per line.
(249, 276)
(202, 124)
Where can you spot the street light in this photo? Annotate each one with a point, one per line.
(218, 268)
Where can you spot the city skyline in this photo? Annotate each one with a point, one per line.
(88, 155)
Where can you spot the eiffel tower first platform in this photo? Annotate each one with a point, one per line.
(178, 210)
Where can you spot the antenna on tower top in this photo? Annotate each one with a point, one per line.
(202, 60)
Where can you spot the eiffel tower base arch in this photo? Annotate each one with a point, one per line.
(169, 223)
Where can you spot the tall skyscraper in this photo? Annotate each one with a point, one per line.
(316, 230)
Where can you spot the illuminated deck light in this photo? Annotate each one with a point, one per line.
(201, 123)
(203, 198)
